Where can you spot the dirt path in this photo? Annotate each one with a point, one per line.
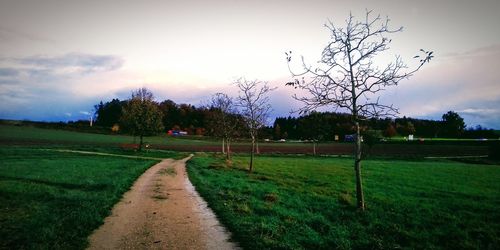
(161, 211)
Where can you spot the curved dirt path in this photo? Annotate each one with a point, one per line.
(161, 211)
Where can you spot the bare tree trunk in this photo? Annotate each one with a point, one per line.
(223, 149)
(357, 167)
(314, 147)
(228, 151)
(252, 155)
(357, 158)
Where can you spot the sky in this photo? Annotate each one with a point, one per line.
(60, 58)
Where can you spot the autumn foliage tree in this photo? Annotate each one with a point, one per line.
(390, 131)
(348, 76)
(141, 115)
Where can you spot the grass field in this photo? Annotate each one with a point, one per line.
(53, 200)
(308, 203)
(29, 133)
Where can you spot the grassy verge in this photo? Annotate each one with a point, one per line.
(54, 200)
(308, 203)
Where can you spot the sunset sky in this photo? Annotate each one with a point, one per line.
(59, 58)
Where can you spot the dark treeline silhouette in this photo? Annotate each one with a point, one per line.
(109, 113)
(319, 126)
(314, 126)
(325, 126)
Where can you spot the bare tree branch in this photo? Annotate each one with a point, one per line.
(346, 75)
(225, 120)
(253, 100)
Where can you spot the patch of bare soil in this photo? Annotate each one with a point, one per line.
(161, 211)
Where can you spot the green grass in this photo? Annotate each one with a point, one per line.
(54, 200)
(309, 203)
(50, 199)
(28, 133)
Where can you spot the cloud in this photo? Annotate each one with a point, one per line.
(44, 104)
(51, 87)
(8, 72)
(13, 35)
(481, 112)
(465, 81)
(53, 69)
(73, 62)
(9, 75)
(482, 51)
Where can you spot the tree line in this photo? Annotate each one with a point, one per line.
(325, 126)
(319, 126)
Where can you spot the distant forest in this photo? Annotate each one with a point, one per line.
(321, 126)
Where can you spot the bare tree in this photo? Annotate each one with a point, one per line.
(224, 120)
(253, 100)
(347, 78)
